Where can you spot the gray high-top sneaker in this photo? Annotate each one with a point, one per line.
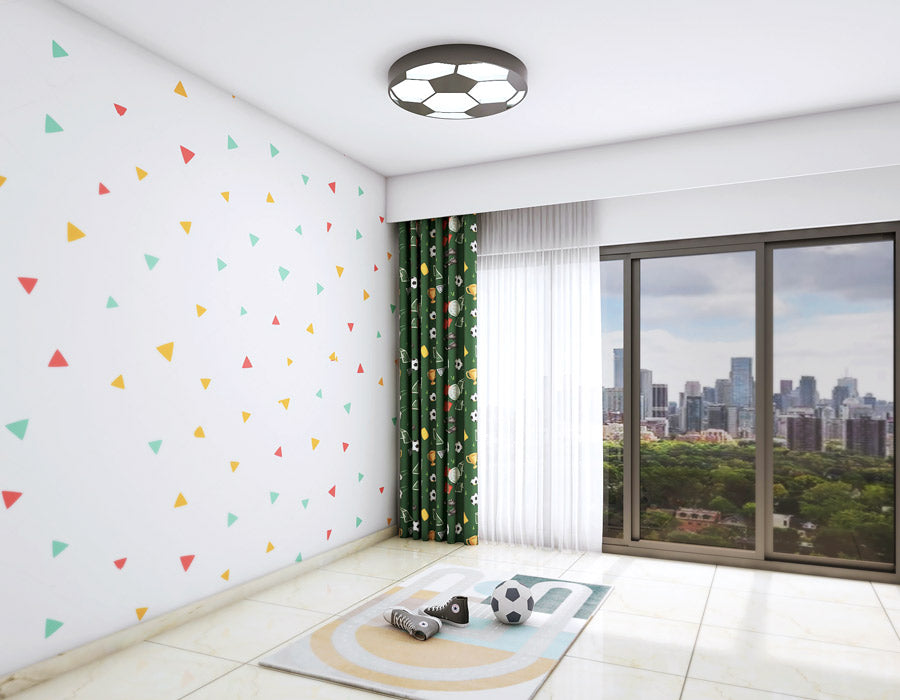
(454, 612)
(421, 627)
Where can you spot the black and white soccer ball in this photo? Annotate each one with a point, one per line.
(512, 602)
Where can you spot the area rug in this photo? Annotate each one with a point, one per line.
(485, 659)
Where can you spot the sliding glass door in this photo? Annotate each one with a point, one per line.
(749, 386)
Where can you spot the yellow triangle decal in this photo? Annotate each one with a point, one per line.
(315, 443)
(186, 225)
(141, 612)
(270, 199)
(199, 432)
(381, 381)
(166, 349)
(2, 180)
(309, 328)
(269, 547)
(333, 357)
(465, 351)
(225, 196)
(234, 466)
(118, 382)
(285, 402)
(340, 270)
(245, 415)
(74, 233)
(465, 519)
(179, 90)
(200, 310)
(205, 382)
(226, 574)
(289, 362)
(366, 295)
(180, 501)
(465, 436)
(141, 173)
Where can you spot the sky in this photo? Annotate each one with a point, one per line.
(832, 316)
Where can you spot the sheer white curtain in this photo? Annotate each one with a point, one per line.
(539, 430)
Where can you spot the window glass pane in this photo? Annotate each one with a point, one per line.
(696, 399)
(833, 323)
(612, 274)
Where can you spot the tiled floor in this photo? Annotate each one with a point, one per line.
(668, 630)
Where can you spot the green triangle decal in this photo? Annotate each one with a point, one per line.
(319, 288)
(299, 229)
(319, 393)
(305, 179)
(299, 557)
(360, 191)
(151, 260)
(155, 445)
(231, 519)
(347, 407)
(284, 272)
(358, 234)
(273, 496)
(273, 150)
(394, 420)
(253, 240)
(18, 428)
(51, 126)
(50, 626)
(378, 335)
(360, 476)
(243, 311)
(393, 308)
(231, 143)
(221, 263)
(59, 51)
(305, 502)
(358, 521)
(58, 547)
(111, 303)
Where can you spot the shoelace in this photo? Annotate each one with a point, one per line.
(405, 621)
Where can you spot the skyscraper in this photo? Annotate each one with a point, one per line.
(723, 391)
(693, 388)
(660, 404)
(804, 433)
(838, 395)
(742, 381)
(867, 436)
(646, 392)
(808, 394)
(618, 367)
(693, 414)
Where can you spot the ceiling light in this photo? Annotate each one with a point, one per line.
(457, 81)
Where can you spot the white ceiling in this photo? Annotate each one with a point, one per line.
(600, 71)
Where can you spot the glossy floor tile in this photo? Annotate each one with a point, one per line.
(668, 631)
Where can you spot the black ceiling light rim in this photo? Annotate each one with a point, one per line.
(457, 54)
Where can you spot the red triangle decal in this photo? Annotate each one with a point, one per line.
(58, 360)
(389, 521)
(360, 370)
(10, 497)
(187, 560)
(327, 226)
(381, 219)
(28, 283)
(278, 452)
(345, 445)
(120, 109)
(349, 325)
(120, 563)
(276, 322)
(333, 186)
(103, 189)
(381, 489)
(332, 490)
(187, 154)
(247, 364)
(376, 268)
(328, 535)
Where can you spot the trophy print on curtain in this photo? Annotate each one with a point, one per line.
(438, 406)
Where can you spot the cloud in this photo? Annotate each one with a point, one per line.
(856, 271)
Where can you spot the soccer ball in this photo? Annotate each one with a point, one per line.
(512, 602)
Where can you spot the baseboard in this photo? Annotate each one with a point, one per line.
(20, 680)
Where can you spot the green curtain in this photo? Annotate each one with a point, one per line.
(438, 409)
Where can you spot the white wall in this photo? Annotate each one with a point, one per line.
(781, 152)
(84, 467)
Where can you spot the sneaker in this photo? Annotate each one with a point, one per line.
(454, 612)
(421, 627)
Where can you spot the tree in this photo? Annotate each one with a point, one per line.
(785, 540)
(825, 499)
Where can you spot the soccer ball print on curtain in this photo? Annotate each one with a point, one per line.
(438, 383)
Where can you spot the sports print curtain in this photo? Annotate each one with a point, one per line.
(438, 384)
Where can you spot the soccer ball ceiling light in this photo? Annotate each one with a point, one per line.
(457, 81)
